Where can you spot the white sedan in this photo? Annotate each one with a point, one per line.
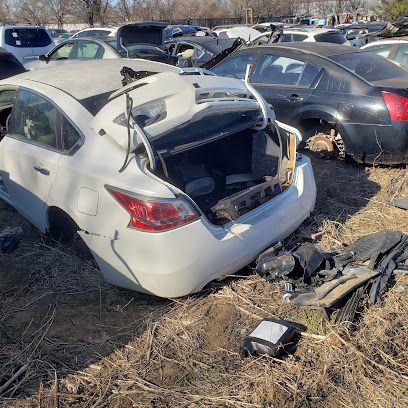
(172, 180)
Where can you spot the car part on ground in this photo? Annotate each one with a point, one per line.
(270, 337)
(400, 203)
(143, 228)
(333, 280)
(365, 114)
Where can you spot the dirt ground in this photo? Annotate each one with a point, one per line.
(68, 339)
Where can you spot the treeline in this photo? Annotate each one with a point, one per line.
(104, 12)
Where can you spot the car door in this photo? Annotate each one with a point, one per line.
(86, 50)
(29, 155)
(284, 81)
(59, 55)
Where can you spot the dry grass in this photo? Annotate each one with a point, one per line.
(80, 342)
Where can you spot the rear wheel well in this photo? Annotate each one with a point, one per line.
(313, 126)
(60, 225)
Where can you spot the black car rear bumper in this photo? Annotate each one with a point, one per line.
(382, 144)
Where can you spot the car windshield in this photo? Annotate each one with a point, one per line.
(369, 66)
(335, 37)
(215, 47)
(27, 37)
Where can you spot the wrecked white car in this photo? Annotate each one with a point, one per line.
(172, 180)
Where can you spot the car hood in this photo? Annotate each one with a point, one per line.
(169, 101)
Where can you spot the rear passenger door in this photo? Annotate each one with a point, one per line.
(86, 50)
(29, 154)
(286, 82)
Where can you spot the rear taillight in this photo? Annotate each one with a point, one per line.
(154, 215)
(397, 105)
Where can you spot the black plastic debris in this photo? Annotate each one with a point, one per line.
(9, 240)
(337, 281)
(8, 243)
(269, 338)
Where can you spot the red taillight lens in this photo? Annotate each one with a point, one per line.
(397, 106)
(154, 215)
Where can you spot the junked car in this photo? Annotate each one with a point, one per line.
(340, 97)
(172, 180)
(139, 40)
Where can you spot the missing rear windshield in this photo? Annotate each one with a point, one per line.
(208, 128)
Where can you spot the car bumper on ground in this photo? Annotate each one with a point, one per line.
(182, 261)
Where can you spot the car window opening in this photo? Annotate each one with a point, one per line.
(7, 100)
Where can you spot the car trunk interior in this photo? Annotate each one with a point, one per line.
(232, 175)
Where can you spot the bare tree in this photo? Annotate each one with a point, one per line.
(58, 9)
(90, 11)
(32, 12)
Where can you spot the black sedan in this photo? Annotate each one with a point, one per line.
(358, 99)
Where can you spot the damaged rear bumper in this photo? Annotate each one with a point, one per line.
(182, 261)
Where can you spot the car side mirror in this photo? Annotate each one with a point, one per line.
(43, 58)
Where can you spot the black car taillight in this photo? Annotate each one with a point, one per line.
(397, 106)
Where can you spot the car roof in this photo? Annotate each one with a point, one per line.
(85, 79)
(321, 49)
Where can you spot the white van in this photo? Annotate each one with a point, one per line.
(25, 42)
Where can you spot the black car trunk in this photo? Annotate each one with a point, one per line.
(232, 175)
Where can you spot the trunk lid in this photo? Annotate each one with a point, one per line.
(175, 112)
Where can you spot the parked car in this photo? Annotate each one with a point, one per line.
(395, 49)
(74, 50)
(305, 35)
(194, 192)
(56, 32)
(62, 38)
(9, 64)
(25, 42)
(203, 48)
(240, 31)
(95, 32)
(356, 34)
(124, 44)
(319, 87)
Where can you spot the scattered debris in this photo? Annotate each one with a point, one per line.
(336, 280)
(269, 337)
(400, 203)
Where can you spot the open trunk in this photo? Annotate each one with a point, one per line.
(234, 174)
